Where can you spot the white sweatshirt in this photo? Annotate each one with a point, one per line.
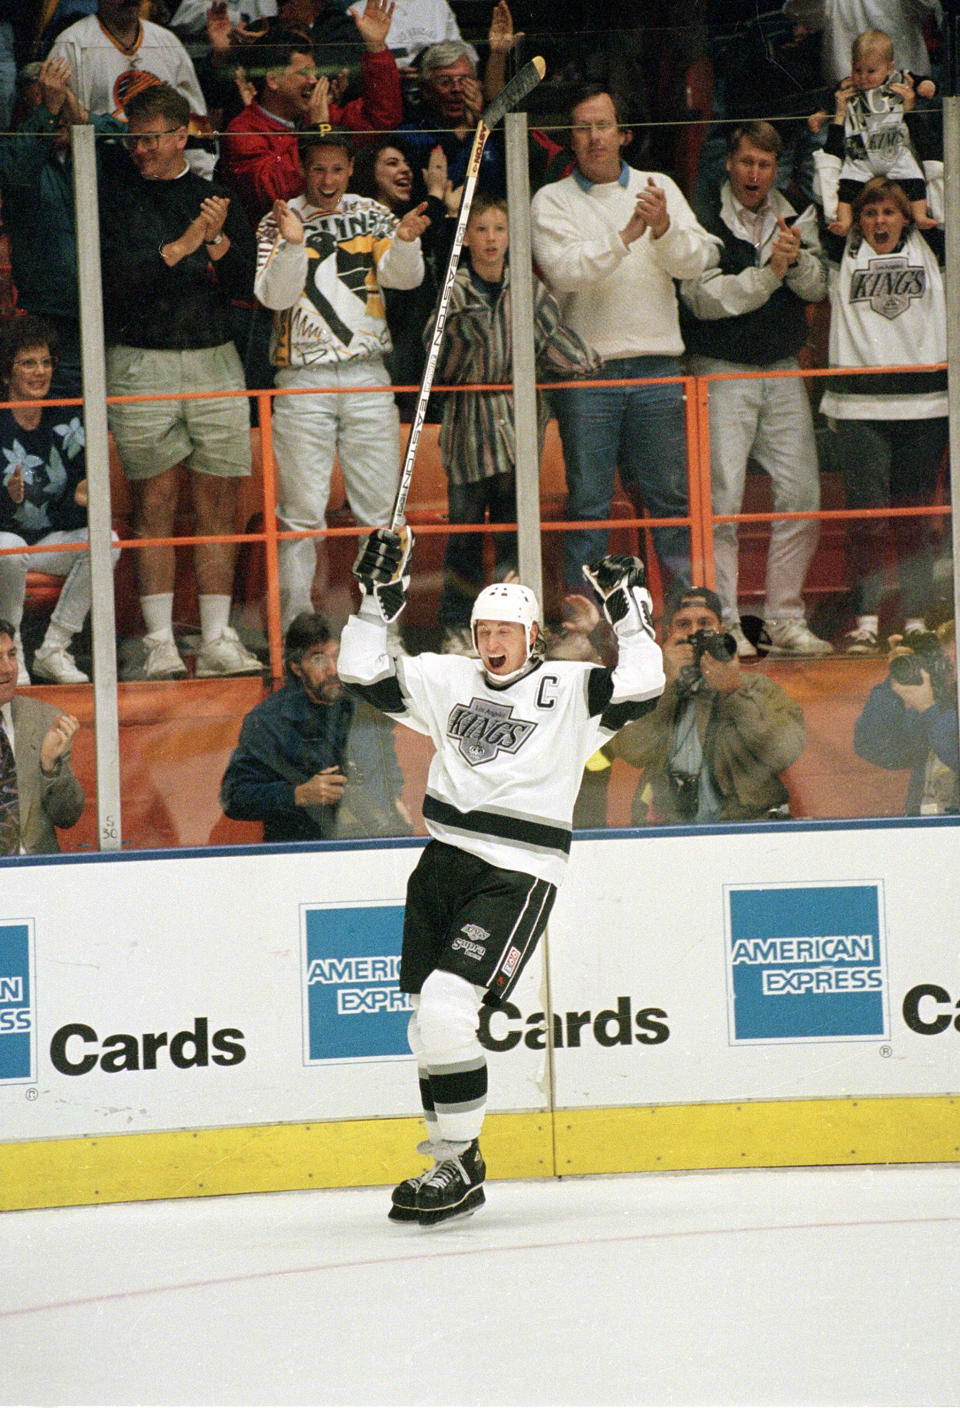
(619, 299)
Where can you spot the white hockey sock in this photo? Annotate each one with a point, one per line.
(454, 1059)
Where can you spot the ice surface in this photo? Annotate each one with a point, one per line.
(835, 1286)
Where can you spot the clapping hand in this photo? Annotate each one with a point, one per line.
(288, 222)
(318, 111)
(54, 77)
(649, 213)
(786, 248)
(472, 101)
(413, 224)
(213, 213)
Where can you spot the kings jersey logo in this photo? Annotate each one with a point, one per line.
(888, 285)
(483, 728)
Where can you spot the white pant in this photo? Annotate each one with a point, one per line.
(73, 603)
(768, 421)
(308, 431)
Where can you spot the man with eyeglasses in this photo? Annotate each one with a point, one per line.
(175, 250)
(260, 150)
(452, 99)
(610, 241)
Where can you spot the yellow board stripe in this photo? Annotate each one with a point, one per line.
(358, 1153)
(760, 1134)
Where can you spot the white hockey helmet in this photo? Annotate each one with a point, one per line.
(507, 601)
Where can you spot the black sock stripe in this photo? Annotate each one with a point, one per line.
(450, 1088)
(426, 1095)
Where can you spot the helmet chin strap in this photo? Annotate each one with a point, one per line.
(534, 658)
(501, 681)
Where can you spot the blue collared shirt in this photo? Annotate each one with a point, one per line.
(585, 185)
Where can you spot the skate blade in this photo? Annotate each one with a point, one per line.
(470, 1204)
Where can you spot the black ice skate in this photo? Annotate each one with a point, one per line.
(403, 1202)
(453, 1187)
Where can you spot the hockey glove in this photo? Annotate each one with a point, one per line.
(381, 570)
(619, 581)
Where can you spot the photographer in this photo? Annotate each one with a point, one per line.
(910, 720)
(716, 743)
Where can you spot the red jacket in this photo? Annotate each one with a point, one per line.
(260, 158)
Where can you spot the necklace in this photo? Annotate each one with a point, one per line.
(126, 47)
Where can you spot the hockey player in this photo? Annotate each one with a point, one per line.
(512, 734)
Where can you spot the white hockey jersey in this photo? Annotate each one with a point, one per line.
(105, 76)
(888, 310)
(509, 761)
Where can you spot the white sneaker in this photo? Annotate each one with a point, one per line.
(163, 659)
(55, 663)
(790, 635)
(458, 640)
(862, 640)
(744, 649)
(226, 656)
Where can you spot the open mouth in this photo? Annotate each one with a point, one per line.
(496, 662)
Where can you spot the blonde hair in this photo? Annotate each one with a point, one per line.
(872, 41)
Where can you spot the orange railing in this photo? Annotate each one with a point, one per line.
(700, 519)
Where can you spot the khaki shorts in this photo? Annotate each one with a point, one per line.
(209, 436)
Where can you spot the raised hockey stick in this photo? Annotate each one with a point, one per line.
(513, 93)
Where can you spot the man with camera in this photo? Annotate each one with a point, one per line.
(910, 720)
(719, 737)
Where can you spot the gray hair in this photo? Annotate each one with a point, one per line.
(441, 55)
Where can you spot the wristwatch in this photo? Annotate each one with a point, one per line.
(217, 239)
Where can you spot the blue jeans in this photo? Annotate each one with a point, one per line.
(640, 431)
